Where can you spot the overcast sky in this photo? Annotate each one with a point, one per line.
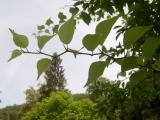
(16, 76)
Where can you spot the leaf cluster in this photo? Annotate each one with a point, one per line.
(135, 100)
(61, 106)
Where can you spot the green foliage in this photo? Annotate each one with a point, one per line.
(117, 101)
(62, 17)
(11, 112)
(91, 41)
(80, 96)
(85, 17)
(42, 65)
(42, 40)
(40, 27)
(139, 98)
(15, 54)
(61, 106)
(104, 28)
(66, 31)
(135, 100)
(129, 63)
(133, 34)
(19, 40)
(96, 69)
(49, 22)
(73, 10)
(150, 46)
(108, 97)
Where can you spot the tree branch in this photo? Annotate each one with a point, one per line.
(68, 50)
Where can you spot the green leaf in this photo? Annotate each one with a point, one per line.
(129, 63)
(66, 31)
(73, 10)
(42, 40)
(108, 60)
(49, 22)
(91, 41)
(122, 74)
(140, 60)
(137, 76)
(55, 29)
(133, 34)
(78, 3)
(19, 40)
(119, 61)
(156, 65)
(150, 46)
(85, 17)
(42, 65)
(61, 16)
(41, 27)
(95, 71)
(75, 52)
(104, 49)
(47, 31)
(15, 53)
(104, 28)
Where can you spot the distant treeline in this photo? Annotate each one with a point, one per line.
(11, 112)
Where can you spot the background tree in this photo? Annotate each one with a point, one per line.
(61, 106)
(110, 99)
(54, 78)
(80, 96)
(32, 95)
(10, 112)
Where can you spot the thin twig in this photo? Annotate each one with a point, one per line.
(32, 52)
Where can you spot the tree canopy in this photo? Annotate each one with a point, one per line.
(61, 106)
